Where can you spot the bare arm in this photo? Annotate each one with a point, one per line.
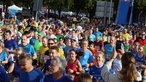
(5, 61)
(34, 56)
(11, 68)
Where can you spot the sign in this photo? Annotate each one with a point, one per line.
(103, 9)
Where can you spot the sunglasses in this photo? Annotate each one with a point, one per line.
(50, 43)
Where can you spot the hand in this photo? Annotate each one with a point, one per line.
(70, 71)
(121, 51)
(114, 53)
(87, 65)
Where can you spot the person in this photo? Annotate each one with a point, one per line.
(3, 75)
(52, 52)
(51, 42)
(87, 58)
(27, 47)
(28, 73)
(43, 48)
(10, 45)
(128, 72)
(93, 50)
(3, 54)
(14, 67)
(57, 67)
(73, 67)
(84, 77)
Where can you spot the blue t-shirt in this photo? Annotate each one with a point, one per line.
(92, 37)
(17, 69)
(50, 78)
(140, 59)
(3, 56)
(28, 48)
(95, 71)
(33, 76)
(87, 57)
(33, 40)
(98, 34)
(10, 44)
(3, 75)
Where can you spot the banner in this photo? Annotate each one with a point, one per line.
(123, 11)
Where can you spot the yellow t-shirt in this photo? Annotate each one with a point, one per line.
(126, 35)
(61, 52)
(43, 50)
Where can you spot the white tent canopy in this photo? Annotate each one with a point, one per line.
(14, 7)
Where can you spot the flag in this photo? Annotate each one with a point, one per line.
(123, 11)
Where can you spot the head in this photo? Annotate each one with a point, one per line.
(73, 43)
(53, 51)
(19, 51)
(61, 41)
(84, 77)
(112, 40)
(96, 29)
(51, 42)
(58, 65)
(45, 41)
(24, 40)
(36, 34)
(68, 42)
(141, 49)
(136, 45)
(91, 45)
(7, 34)
(73, 54)
(50, 31)
(129, 71)
(125, 30)
(25, 62)
(84, 44)
(100, 57)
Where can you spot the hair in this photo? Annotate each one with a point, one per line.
(8, 31)
(47, 52)
(20, 28)
(62, 63)
(129, 71)
(26, 56)
(45, 37)
(84, 77)
(18, 50)
(54, 48)
(2, 44)
(100, 52)
(51, 39)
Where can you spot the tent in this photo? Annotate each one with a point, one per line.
(13, 10)
(14, 7)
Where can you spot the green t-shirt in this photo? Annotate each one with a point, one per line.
(145, 48)
(59, 36)
(37, 45)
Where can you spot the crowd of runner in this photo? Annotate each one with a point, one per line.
(71, 49)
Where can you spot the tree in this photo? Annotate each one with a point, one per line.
(59, 5)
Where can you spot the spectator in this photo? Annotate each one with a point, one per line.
(128, 73)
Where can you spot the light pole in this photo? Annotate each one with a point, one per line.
(109, 18)
(131, 14)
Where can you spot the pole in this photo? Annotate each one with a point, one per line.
(105, 12)
(36, 15)
(109, 17)
(131, 14)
